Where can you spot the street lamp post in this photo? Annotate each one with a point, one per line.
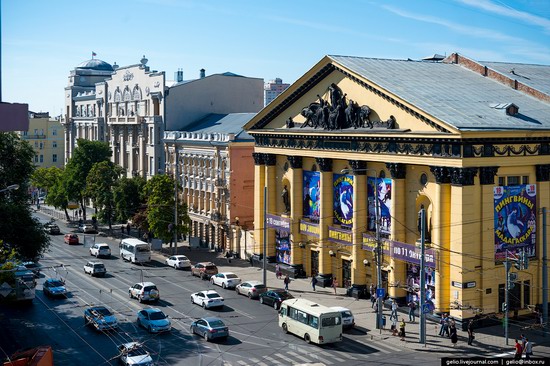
(13, 187)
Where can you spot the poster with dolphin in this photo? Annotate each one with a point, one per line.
(343, 199)
(515, 220)
(312, 195)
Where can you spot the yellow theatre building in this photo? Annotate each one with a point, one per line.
(361, 145)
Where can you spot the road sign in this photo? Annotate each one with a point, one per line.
(5, 289)
(381, 292)
(426, 309)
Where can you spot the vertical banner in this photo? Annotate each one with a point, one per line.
(382, 187)
(312, 195)
(343, 199)
(282, 246)
(515, 220)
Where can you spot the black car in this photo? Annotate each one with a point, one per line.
(52, 229)
(275, 297)
(34, 267)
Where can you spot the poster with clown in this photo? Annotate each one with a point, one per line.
(382, 187)
(514, 220)
(343, 199)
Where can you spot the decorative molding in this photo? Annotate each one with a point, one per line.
(258, 158)
(270, 159)
(397, 170)
(487, 174)
(463, 176)
(325, 164)
(542, 172)
(295, 161)
(441, 174)
(358, 167)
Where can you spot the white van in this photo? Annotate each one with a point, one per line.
(348, 320)
(313, 322)
(135, 251)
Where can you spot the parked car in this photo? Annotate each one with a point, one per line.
(100, 250)
(207, 299)
(95, 268)
(225, 280)
(204, 270)
(100, 318)
(210, 328)
(154, 320)
(252, 289)
(52, 229)
(178, 262)
(70, 239)
(144, 291)
(86, 228)
(348, 320)
(34, 267)
(134, 354)
(275, 297)
(54, 288)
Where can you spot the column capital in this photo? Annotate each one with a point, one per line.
(358, 167)
(270, 159)
(463, 176)
(258, 158)
(542, 172)
(487, 174)
(325, 164)
(295, 161)
(441, 174)
(397, 170)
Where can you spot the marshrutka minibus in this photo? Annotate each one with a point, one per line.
(313, 322)
(135, 251)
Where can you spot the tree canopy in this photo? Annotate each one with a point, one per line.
(99, 187)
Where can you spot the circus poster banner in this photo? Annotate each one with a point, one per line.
(343, 199)
(382, 187)
(312, 195)
(515, 220)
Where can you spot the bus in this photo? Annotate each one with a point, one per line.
(313, 322)
(135, 251)
(19, 285)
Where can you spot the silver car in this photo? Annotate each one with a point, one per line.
(252, 289)
(100, 250)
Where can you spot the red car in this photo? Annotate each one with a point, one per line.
(71, 239)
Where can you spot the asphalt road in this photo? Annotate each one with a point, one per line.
(255, 337)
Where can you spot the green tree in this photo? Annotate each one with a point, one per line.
(51, 180)
(129, 198)
(100, 182)
(160, 208)
(85, 155)
(18, 229)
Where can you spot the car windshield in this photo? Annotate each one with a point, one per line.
(157, 315)
(213, 295)
(347, 314)
(104, 247)
(149, 288)
(216, 323)
(181, 258)
(137, 352)
(232, 276)
(142, 248)
(100, 265)
(102, 311)
(55, 284)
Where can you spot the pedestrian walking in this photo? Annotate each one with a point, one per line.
(528, 349)
(394, 327)
(375, 307)
(372, 290)
(334, 284)
(313, 282)
(471, 335)
(122, 229)
(128, 228)
(444, 325)
(412, 309)
(79, 213)
(277, 271)
(518, 350)
(372, 300)
(453, 334)
(402, 329)
(286, 282)
(228, 256)
(393, 309)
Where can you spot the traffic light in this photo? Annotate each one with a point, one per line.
(512, 278)
(517, 264)
(504, 307)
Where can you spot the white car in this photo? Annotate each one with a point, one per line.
(95, 268)
(207, 299)
(133, 353)
(178, 262)
(348, 321)
(100, 250)
(86, 228)
(144, 291)
(225, 280)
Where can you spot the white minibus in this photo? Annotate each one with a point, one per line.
(135, 251)
(308, 320)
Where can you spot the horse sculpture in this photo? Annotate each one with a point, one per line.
(364, 112)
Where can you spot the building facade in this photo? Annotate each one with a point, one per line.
(123, 106)
(272, 89)
(359, 147)
(46, 137)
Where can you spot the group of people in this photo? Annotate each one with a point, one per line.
(523, 346)
(448, 328)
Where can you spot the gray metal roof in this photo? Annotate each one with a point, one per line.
(535, 76)
(449, 92)
(223, 123)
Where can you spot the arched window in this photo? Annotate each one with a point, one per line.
(118, 95)
(126, 95)
(137, 93)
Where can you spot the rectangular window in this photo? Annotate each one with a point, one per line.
(54, 158)
(501, 181)
(525, 179)
(513, 180)
(292, 313)
(36, 131)
(41, 146)
(151, 135)
(36, 144)
(54, 144)
(313, 321)
(36, 158)
(54, 132)
(41, 158)
(151, 165)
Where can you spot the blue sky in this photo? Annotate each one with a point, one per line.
(43, 40)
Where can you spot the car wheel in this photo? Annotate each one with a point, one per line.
(202, 276)
(149, 329)
(223, 285)
(192, 302)
(307, 338)
(85, 322)
(249, 295)
(192, 329)
(206, 338)
(261, 300)
(130, 294)
(237, 291)
(175, 266)
(285, 328)
(140, 299)
(204, 305)
(212, 281)
(276, 305)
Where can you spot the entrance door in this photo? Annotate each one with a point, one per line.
(346, 273)
(314, 263)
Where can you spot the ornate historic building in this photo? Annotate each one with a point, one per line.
(121, 105)
(360, 145)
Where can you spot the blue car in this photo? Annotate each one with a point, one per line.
(154, 320)
(210, 328)
(100, 317)
(54, 287)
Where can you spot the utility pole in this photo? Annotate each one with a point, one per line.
(422, 334)
(176, 203)
(544, 275)
(506, 289)
(265, 238)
